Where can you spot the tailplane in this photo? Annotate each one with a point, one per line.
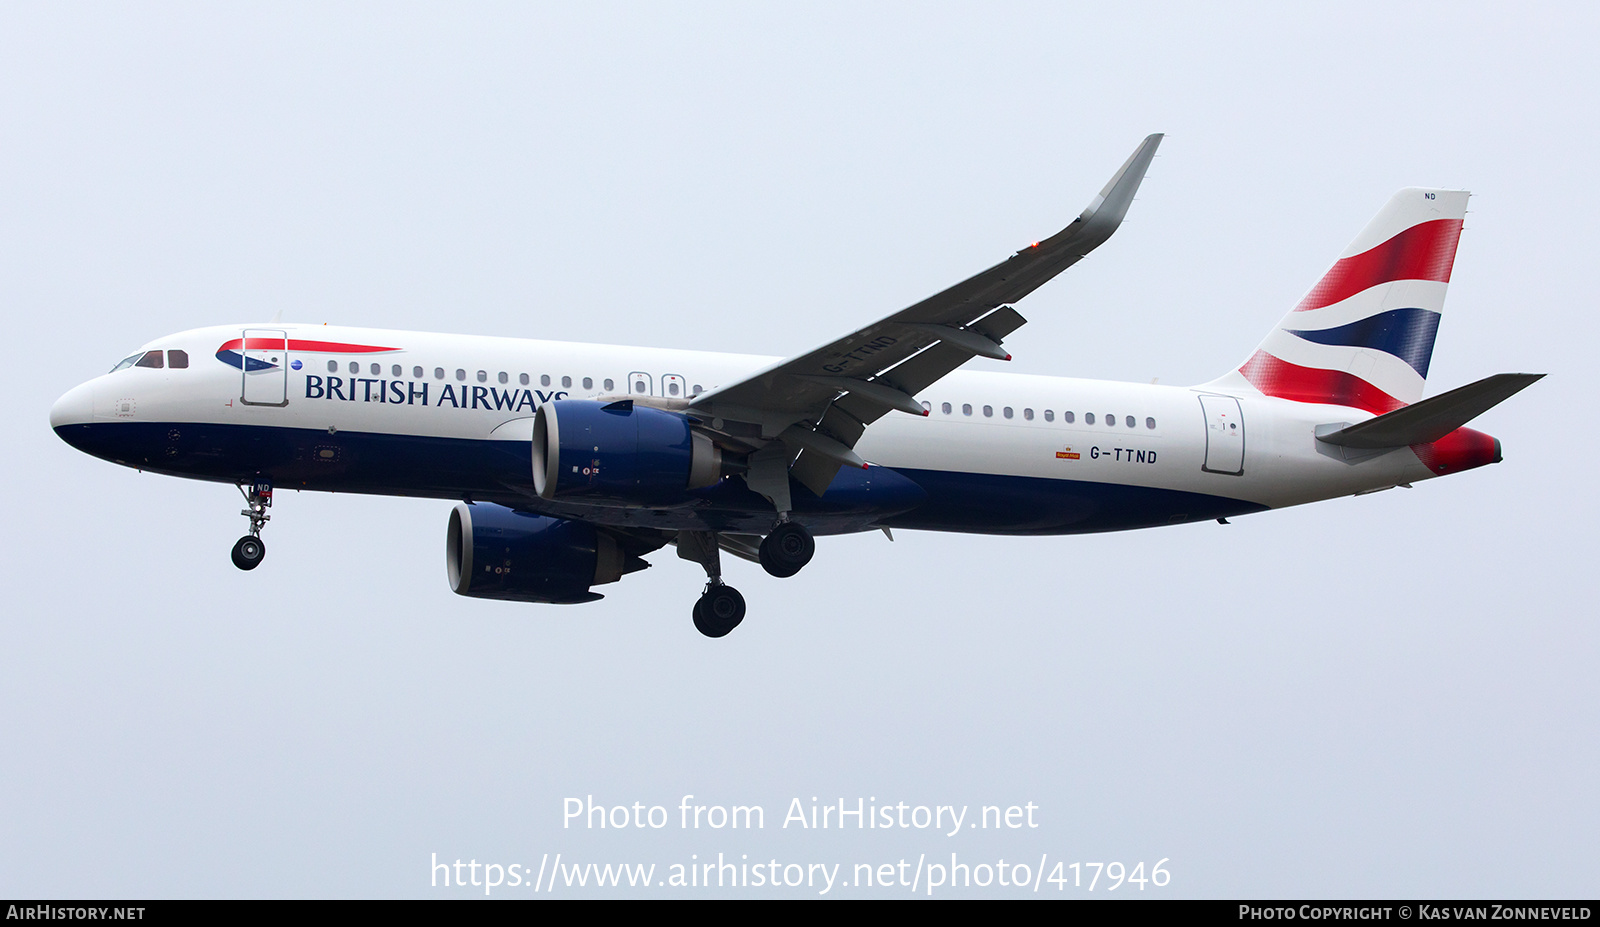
(1363, 336)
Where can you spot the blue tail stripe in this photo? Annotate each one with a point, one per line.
(1406, 333)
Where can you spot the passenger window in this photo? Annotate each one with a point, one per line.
(504, 377)
(1088, 418)
(416, 373)
(1050, 415)
(438, 373)
(483, 376)
(927, 406)
(609, 385)
(966, 408)
(698, 389)
(461, 375)
(544, 380)
(150, 359)
(1006, 411)
(377, 369)
(1129, 421)
(1150, 423)
(1027, 414)
(178, 360)
(588, 383)
(1111, 421)
(566, 382)
(395, 371)
(988, 411)
(945, 408)
(355, 367)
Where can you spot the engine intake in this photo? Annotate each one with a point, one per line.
(619, 453)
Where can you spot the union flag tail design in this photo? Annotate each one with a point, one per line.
(1363, 336)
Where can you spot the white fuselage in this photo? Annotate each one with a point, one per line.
(469, 390)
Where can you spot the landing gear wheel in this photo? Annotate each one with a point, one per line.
(718, 611)
(787, 549)
(248, 552)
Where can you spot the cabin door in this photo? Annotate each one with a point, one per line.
(266, 368)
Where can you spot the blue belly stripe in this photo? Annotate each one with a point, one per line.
(500, 471)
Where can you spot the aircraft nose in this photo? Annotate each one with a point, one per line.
(75, 407)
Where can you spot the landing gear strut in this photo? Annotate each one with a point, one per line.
(720, 607)
(249, 551)
(787, 549)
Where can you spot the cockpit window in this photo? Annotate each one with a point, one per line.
(127, 362)
(178, 360)
(150, 359)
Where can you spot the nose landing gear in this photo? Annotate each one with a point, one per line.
(249, 551)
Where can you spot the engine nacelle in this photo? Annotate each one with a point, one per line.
(492, 552)
(619, 453)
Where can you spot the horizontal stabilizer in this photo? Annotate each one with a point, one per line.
(1429, 420)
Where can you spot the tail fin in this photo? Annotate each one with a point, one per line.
(1363, 336)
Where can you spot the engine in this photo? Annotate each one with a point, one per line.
(492, 552)
(619, 453)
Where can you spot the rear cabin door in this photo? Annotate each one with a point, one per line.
(1224, 435)
(266, 368)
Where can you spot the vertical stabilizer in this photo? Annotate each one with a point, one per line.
(1364, 335)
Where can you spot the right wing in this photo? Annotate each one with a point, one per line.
(819, 403)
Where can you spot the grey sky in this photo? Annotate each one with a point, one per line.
(1385, 696)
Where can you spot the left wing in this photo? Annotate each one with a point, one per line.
(818, 404)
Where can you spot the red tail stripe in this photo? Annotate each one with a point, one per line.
(1277, 377)
(315, 347)
(1422, 252)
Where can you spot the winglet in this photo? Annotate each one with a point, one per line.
(1106, 211)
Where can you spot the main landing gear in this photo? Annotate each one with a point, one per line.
(249, 551)
(787, 549)
(719, 609)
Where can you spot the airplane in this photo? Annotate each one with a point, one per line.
(571, 462)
